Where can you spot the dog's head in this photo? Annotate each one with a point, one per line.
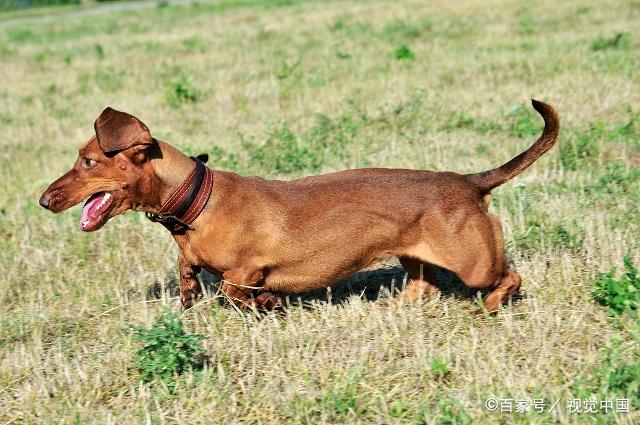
(109, 172)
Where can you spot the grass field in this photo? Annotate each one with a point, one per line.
(284, 89)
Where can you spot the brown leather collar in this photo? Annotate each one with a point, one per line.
(187, 202)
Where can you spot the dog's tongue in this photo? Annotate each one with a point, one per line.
(92, 210)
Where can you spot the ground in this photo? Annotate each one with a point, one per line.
(283, 89)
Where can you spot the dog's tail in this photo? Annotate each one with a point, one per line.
(487, 180)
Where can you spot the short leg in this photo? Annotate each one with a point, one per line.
(237, 296)
(240, 284)
(189, 285)
(510, 281)
(506, 287)
(422, 280)
(269, 301)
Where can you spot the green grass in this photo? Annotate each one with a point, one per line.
(619, 294)
(619, 373)
(286, 89)
(168, 351)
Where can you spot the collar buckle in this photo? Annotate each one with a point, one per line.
(168, 221)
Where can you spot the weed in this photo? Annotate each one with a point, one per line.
(340, 54)
(580, 148)
(338, 402)
(286, 69)
(538, 234)
(619, 294)
(531, 238)
(181, 91)
(399, 408)
(221, 158)
(617, 375)
(67, 58)
(457, 121)
(286, 150)
(627, 133)
(283, 152)
(617, 179)
(99, 51)
(439, 368)
(621, 371)
(168, 350)
(561, 236)
(404, 52)
(620, 40)
(342, 399)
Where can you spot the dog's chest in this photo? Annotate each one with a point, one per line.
(201, 253)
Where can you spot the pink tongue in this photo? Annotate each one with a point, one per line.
(91, 205)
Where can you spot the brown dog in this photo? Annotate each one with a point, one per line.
(268, 236)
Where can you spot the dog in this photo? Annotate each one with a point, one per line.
(269, 237)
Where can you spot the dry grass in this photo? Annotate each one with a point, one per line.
(262, 72)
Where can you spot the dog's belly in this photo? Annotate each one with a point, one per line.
(292, 284)
(288, 281)
(310, 275)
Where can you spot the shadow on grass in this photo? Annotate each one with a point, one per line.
(369, 285)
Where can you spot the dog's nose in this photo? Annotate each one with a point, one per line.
(44, 201)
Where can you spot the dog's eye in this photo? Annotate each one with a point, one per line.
(88, 163)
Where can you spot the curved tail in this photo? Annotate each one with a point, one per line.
(487, 180)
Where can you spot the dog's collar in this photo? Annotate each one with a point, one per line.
(187, 202)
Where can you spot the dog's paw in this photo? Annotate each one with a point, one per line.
(269, 301)
(187, 301)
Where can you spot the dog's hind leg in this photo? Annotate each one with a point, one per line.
(269, 301)
(510, 281)
(240, 286)
(491, 271)
(508, 285)
(422, 280)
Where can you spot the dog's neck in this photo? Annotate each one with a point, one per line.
(170, 169)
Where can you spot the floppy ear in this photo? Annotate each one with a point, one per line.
(117, 131)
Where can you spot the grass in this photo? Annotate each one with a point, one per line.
(621, 294)
(167, 351)
(285, 89)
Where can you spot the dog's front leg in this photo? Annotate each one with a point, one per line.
(189, 284)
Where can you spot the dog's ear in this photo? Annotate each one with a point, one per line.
(117, 131)
(204, 157)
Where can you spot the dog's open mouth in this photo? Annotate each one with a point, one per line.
(93, 212)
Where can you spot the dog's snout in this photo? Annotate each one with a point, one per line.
(44, 201)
